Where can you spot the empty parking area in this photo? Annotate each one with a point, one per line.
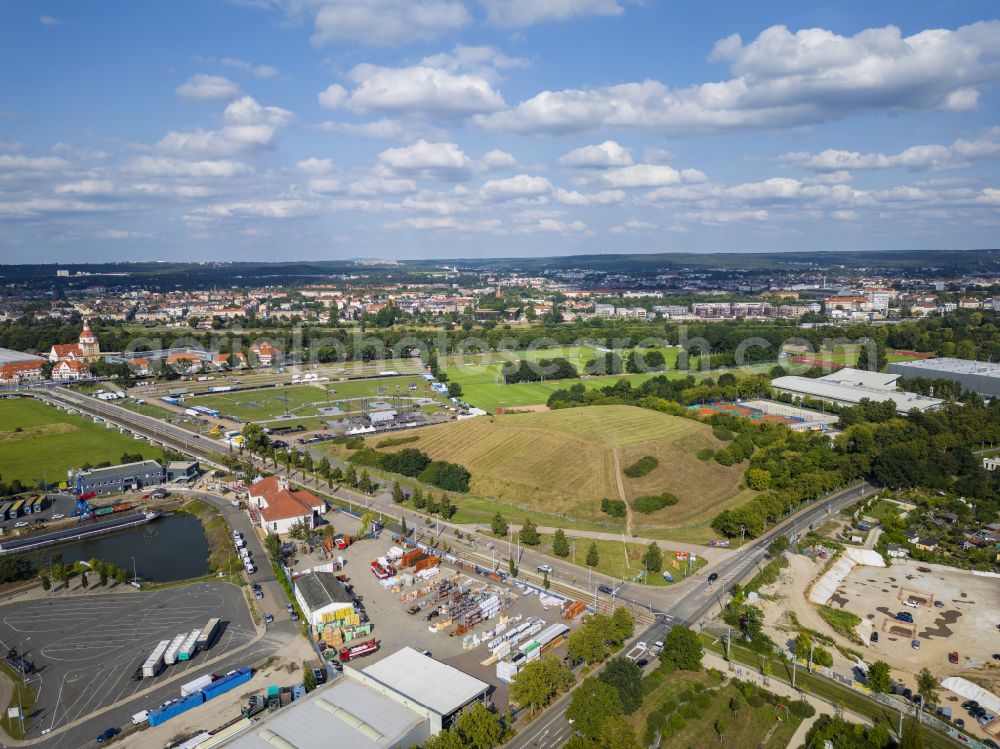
(86, 648)
(965, 622)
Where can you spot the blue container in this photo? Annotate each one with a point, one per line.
(298, 692)
(166, 712)
(227, 682)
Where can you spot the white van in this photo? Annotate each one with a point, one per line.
(245, 554)
(140, 717)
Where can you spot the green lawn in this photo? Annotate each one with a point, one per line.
(693, 710)
(481, 381)
(21, 697)
(40, 442)
(304, 401)
(619, 560)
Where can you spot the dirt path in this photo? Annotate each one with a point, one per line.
(621, 492)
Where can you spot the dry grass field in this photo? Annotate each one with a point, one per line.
(563, 462)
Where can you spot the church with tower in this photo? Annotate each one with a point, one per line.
(87, 348)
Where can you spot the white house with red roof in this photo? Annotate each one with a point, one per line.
(70, 369)
(84, 349)
(279, 507)
(266, 354)
(21, 371)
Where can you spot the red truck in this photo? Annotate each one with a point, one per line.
(358, 650)
(343, 541)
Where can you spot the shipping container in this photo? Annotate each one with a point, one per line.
(224, 683)
(170, 657)
(208, 634)
(16, 508)
(5, 510)
(154, 663)
(124, 507)
(106, 510)
(174, 708)
(196, 685)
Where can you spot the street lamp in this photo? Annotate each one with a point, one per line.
(135, 576)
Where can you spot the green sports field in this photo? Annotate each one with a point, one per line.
(306, 401)
(40, 442)
(482, 386)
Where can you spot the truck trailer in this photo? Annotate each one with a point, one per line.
(170, 657)
(154, 663)
(196, 685)
(208, 634)
(189, 646)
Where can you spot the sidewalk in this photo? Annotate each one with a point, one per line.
(745, 673)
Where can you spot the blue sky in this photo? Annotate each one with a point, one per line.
(329, 129)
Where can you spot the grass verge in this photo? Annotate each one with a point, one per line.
(23, 696)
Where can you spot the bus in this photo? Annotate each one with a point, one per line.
(38, 504)
(15, 510)
(4, 509)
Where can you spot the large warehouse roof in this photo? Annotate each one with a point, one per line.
(321, 589)
(979, 376)
(862, 378)
(344, 714)
(435, 685)
(8, 356)
(851, 394)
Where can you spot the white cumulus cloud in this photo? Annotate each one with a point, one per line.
(202, 87)
(384, 22)
(608, 153)
(522, 13)
(512, 188)
(445, 161)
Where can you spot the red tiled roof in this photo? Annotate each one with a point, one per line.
(283, 504)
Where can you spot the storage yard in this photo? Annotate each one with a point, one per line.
(90, 651)
(408, 596)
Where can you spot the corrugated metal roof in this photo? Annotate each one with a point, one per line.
(862, 378)
(433, 684)
(819, 388)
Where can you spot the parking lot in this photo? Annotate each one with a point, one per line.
(394, 627)
(87, 647)
(56, 504)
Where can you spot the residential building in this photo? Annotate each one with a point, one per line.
(21, 371)
(280, 507)
(70, 369)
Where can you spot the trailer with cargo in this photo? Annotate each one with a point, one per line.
(170, 657)
(154, 663)
(224, 683)
(189, 647)
(196, 685)
(358, 650)
(173, 708)
(208, 634)
(638, 651)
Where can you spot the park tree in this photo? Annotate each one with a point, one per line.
(592, 703)
(479, 728)
(536, 684)
(681, 649)
(351, 477)
(323, 467)
(365, 482)
(927, 685)
(777, 547)
(621, 625)
(446, 739)
(418, 499)
(308, 677)
(879, 677)
(653, 558)
(454, 390)
(560, 546)
(272, 544)
(587, 644)
(498, 525)
(626, 678)
(46, 583)
(255, 439)
(593, 557)
(397, 492)
(912, 736)
(758, 479)
(529, 533)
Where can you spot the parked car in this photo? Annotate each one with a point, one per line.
(938, 604)
(547, 568)
(915, 644)
(294, 617)
(268, 619)
(713, 577)
(22, 524)
(874, 637)
(58, 516)
(911, 603)
(969, 704)
(960, 722)
(107, 734)
(605, 589)
(905, 616)
(996, 656)
(907, 693)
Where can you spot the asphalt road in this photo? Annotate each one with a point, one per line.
(552, 729)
